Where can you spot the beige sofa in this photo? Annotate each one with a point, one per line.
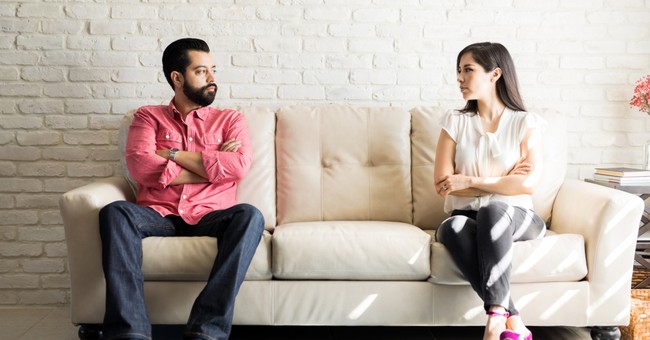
(347, 194)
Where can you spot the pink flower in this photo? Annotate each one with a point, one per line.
(641, 97)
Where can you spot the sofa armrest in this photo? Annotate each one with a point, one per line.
(608, 219)
(79, 209)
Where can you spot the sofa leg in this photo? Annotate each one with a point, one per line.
(90, 332)
(605, 333)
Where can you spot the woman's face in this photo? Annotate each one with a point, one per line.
(475, 82)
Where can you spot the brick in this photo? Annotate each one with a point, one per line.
(7, 10)
(39, 42)
(302, 92)
(136, 75)
(582, 62)
(7, 169)
(62, 185)
(22, 281)
(14, 249)
(16, 25)
(20, 90)
(21, 122)
(112, 27)
(18, 217)
(254, 60)
(232, 13)
(21, 185)
(19, 153)
(329, 77)
(47, 74)
(161, 28)
(305, 29)
(65, 58)
(86, 138)
(41, 234)
(324, 45)
(63, 26)
(105, 155)
(90, 170)
(279, 13)
(134, 12)
(87, 11)
(55, 280)
(349, 92)
(86, 106)
(371, 45)
(186, 13)
(134, 44)
(114, 59)
(284, 45)
(40, 106)
(303, 60)
(328, 14)
(67, 90)
(377, 77)
(277, 77)
(65, 154)
(51, 217)
(29, 138)
(376, 15)
(9, 297)
(252, 92)
(8, 73)
(66, 122)
(347, 61)
(37, 201)
(7, 265)
(41, 169)
(397, 93)
(88, 43)
(42, 297)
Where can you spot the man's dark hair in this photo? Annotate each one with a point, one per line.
(175, 56)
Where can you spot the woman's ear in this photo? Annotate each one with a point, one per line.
(496, 74)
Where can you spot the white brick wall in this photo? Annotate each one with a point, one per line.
(69, 70)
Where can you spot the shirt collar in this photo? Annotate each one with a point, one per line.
(201, 112)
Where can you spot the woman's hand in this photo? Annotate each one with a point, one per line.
(521, 167)
(452, 183)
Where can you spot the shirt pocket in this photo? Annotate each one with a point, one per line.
(212, 141)
(167, 139)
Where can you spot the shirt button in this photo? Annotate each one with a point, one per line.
(184, 196)
(180, 211)
(190, 139)
(167, 136)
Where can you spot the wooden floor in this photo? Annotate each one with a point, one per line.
(54, 324)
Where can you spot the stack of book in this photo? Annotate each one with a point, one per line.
(623, 176)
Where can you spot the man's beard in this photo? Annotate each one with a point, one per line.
(199, 95)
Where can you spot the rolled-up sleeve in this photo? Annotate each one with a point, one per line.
(145, 166)
(230, 166)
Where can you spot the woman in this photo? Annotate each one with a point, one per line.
(488, 161)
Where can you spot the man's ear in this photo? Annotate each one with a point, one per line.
(177, 79)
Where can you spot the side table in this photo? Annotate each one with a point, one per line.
(642, 245)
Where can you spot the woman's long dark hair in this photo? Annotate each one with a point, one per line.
(490, 56)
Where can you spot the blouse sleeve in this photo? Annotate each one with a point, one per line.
(449, 122)
(531, 121)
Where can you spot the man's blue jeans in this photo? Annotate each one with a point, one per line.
(123, 225)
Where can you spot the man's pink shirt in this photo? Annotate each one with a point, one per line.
(162, 127)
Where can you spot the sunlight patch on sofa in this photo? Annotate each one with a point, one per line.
(358, 311)
(560, 303)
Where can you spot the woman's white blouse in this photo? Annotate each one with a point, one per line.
(487, 154)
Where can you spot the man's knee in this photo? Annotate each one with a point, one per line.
(252, 213)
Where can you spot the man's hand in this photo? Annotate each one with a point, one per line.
(163, 153)
(230, 145)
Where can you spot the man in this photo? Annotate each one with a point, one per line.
(186, 158)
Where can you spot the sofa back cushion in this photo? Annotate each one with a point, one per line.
(343, 163)
(258, 187)
(428, 205)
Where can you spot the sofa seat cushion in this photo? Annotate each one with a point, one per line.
(191, 258)
(351, 250)
(554, 258)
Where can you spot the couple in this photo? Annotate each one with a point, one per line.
(186, 154)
